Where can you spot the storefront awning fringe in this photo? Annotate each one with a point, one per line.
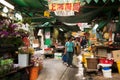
(96, 1)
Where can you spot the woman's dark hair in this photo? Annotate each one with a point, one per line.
(69, 38)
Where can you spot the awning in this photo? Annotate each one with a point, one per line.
(31, 3)
(102, 24)
(96, 1)
(82, 17)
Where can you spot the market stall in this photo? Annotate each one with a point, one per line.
(101, 50)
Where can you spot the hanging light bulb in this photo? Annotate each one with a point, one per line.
(5, 10)
(60, 29)
(70, 24)
(18, 16)
(4, 14)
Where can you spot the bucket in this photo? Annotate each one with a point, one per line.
(23, 60)
(118, 66)
(106, 68)
(92, 63)
(34, 72)
(107, 73)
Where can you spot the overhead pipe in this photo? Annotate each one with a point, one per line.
(5, 3)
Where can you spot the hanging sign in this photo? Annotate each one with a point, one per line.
(46, 14)
(52, 7)
(47, 35)
(69, 5)
(64, 13)
(65, 7)
(76, 7)
(60, 7)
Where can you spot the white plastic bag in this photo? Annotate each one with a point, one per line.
(75, 60)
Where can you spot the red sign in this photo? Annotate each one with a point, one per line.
(68, 6)
(54, 7)
(76, 7)
(60, 6)
(65, 7)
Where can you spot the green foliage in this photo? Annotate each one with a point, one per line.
(15, 41)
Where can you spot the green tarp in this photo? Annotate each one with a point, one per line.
(31, 3)
(102, 24)
(48, 42)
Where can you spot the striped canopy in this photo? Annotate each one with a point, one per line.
(96, 1)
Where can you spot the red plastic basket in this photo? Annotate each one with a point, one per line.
(105, 61)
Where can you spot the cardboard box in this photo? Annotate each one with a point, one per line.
(116, 55)
(102, 52)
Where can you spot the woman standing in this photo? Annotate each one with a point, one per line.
(69, 50)
(77, 46)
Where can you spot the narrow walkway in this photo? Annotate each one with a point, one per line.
(55, 70)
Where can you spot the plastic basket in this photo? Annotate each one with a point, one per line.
(105, 61)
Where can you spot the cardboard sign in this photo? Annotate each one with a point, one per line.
(35, 43)
(116, 55)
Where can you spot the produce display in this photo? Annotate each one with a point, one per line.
(6, 65)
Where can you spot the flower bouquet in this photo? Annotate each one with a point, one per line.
(10, 33)
(37, 60)
(25, 50)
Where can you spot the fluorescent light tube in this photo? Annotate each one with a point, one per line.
(60, 29)
(7, 4)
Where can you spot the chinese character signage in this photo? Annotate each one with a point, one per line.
(64, 5)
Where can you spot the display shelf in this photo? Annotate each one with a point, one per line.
(19, 69)
(102, 51)
(22, 73)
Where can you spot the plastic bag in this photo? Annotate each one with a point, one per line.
(75, 60)
(64, 58)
